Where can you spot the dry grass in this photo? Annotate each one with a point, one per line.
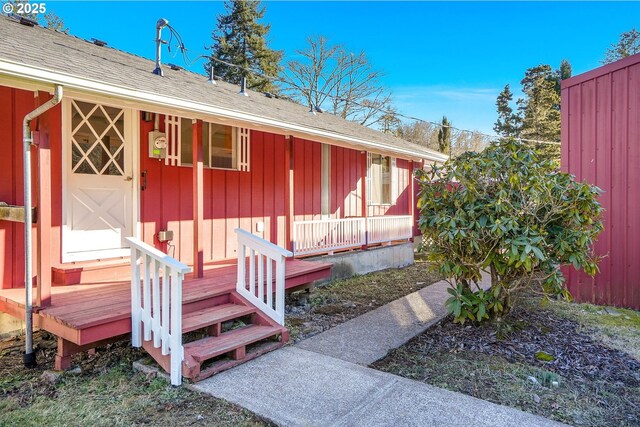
(617, 328)
(342, 300)
(107, 393)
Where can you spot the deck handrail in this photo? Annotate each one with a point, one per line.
(389, 228)
(259, 288)
(328, 235)
(157, 304)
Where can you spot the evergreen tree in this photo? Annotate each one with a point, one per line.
(540, 109)
(508, 123)
(565, 69)
(629, 44)
(240, 39)
(444, 136)
(562, 73)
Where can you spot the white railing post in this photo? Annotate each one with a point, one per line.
(175, 344)
(157, 304)
(136, 320)
(280, 278)
(262, 251)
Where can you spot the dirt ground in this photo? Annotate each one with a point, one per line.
(104, 391)
(308, 314)
(574, 363)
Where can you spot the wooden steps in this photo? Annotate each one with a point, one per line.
(234, 340)
(215, 346)
(214, 315)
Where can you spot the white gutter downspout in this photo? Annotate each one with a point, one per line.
(29, 356)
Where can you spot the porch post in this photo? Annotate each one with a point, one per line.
(288, 192)
(411, 197)
(198, 200)
(363, 199)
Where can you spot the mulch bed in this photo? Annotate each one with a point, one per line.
(604, 383)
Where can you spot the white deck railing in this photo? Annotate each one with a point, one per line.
(381, 229)
(328, 235)
(264, 259)
(157, 303)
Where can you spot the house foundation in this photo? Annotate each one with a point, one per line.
(10, 326)
(348, 264)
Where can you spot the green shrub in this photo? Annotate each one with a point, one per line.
(506, 212)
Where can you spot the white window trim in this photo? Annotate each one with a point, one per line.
(240, 141)
(325, 204)
(393, 181)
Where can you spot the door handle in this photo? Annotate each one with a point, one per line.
(128, 178)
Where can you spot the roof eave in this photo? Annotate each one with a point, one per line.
(42, 75)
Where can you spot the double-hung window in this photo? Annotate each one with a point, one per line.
(381, 174)
(223, 147)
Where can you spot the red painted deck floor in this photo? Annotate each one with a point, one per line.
(90, 313)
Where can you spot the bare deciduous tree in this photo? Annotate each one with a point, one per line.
(330, 78)
(426, 134)
(421, 133)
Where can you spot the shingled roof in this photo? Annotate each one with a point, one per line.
(51, 57)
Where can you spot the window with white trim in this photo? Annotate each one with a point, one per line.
(223, 147)
(381, 173)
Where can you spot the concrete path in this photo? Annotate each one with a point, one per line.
(369, 337)
(320, 382)
(300, 388)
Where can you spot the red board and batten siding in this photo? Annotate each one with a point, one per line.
(601, 145)
(14, 105)
(232, 199)
(345, 183)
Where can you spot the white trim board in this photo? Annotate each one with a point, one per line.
(167, 104)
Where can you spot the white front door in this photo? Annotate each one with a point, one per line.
(98, 192)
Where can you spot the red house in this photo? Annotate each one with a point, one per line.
(601, 145)
(169, 204)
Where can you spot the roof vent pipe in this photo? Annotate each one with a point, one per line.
(29, 357)
(212, 78)
(243, 86)
(159, 26)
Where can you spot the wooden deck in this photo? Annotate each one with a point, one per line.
(87, 314)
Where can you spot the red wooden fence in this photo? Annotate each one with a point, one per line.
(601, 145)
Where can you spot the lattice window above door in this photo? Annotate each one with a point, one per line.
(97, 139)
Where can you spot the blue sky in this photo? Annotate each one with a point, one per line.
(438, 58)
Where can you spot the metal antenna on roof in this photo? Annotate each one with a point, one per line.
(159, 26)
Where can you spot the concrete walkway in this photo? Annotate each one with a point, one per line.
(321, 381)
(369, 337)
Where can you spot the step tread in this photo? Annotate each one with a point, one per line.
(209, 347)
(212, 315)
(225, 364)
